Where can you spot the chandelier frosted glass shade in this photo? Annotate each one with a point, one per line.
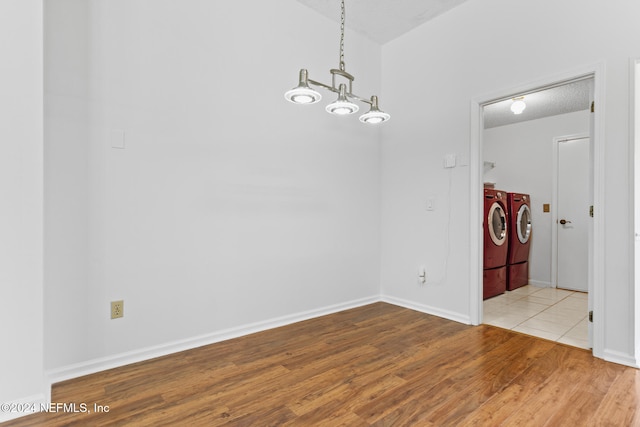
(303, 94)
(374, 115)
(342, 106)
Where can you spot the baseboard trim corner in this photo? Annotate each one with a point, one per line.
(540, 284)
(445, 314)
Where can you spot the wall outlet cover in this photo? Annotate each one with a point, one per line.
(117, 309)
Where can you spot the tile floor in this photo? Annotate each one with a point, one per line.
(555, 314)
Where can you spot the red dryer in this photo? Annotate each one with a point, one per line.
(519, 240)
(495, 242)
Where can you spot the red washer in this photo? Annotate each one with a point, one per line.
(519, 213)
(496, 245)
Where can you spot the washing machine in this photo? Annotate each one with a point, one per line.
(519, 214)
(496, 234)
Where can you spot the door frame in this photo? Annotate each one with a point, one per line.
(596, 276)
(554, 200)
(634, 190)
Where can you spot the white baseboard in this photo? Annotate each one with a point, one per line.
(101, 364)
(22, 407)
(540, 284)
(620, 358)
(450, 315)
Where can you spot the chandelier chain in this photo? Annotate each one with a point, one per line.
(342, 66)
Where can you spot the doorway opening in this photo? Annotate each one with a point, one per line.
(482, 161)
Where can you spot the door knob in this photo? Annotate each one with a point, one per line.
(564, 221)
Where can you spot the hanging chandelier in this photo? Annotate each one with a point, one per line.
(304, 94)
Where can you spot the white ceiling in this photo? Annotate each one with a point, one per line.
(385, 20)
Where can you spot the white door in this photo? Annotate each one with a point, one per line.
(573, 214)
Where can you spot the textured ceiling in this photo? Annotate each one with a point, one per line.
(385, 20)
(562, 99)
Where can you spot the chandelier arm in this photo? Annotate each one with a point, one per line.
(333, 89)
(342, 73)
(358, 98)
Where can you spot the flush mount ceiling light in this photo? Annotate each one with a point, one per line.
(518, 105)
(304, 94)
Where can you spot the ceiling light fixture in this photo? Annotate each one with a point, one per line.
(518, 105)
(304, 94)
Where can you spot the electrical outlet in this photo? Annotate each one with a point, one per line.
(117, 309)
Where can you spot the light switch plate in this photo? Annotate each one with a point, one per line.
(117, 139)
(450, 161)
(431, 204)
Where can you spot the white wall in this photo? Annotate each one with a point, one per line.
(66, 182)
(21, 370)
(523, 157)
(229, 207)
(466, 54)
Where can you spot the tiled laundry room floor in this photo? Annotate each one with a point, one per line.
(550, 313)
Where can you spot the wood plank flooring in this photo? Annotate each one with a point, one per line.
(378, 365)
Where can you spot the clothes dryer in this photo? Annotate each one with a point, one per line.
(519, 213)
(496, 245)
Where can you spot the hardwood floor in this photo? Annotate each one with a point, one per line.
(379, 365)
